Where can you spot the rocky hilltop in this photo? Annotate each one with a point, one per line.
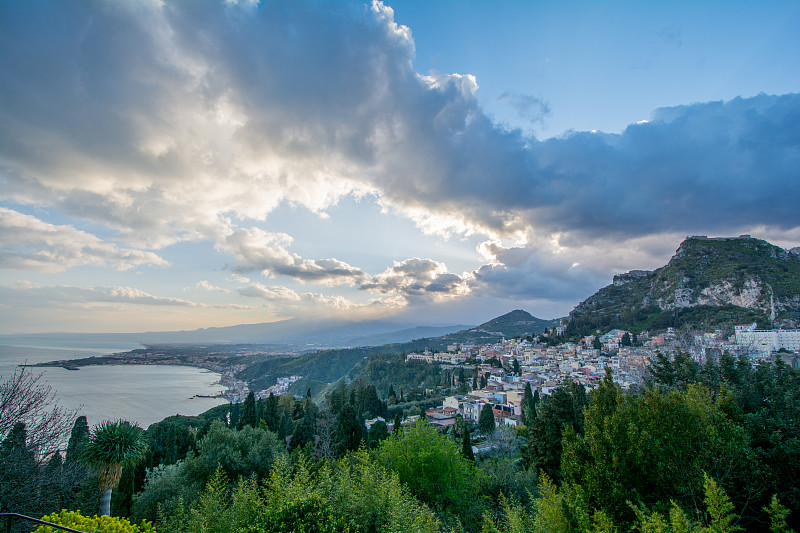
(708, 282)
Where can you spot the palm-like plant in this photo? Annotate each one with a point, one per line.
(111, 446)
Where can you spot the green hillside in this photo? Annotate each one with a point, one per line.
(329, 365)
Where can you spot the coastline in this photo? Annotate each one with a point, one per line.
(149, 357)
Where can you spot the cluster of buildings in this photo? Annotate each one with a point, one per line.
(543, 367)
(547, 367)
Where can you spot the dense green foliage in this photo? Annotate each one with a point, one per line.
(700, 447)
(562, 410)
(433, 469)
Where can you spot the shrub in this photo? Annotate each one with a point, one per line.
(93, 524)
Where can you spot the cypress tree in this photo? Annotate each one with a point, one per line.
(466, 446)
(77, 438)
(372, 404)
(307, 426)
(391, 392)
(398, 423)
(528, 406)
(248, 417)
(486, 420)
(270, 413)
(626, 339)
(517, 368)
(235, 412)
(338, 398)
(349, 429)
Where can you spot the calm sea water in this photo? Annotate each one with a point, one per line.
(141, 394)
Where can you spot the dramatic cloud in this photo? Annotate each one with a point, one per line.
(171, 121)
(168, 122)
(256, 249)
(417, 277)
(28, 243)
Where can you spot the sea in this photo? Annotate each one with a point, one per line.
(141, 394)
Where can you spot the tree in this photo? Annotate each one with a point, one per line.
(306, 427)
(433, 468)
(349, 429)
(111, 446)
(270, 413)
(677, 438)
(486, 420)
(563, 409)
(626, 339)
(27, 398)
(517, 369)
(528, 406)
(372, 406)
(19, 473)
(596, 344)
(466, 446)
(377, 432)
(248, 416)
(77, 439)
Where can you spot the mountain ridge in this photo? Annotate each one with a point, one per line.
(708, 281)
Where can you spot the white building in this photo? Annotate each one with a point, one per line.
(767, 341)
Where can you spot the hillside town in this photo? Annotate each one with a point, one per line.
(546, 367)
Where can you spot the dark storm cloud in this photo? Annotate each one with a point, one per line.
(714, 165)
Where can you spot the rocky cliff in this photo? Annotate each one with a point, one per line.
(709, 281)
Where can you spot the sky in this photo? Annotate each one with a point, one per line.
(170, 165)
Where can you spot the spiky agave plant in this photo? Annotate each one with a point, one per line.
(111, 446)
